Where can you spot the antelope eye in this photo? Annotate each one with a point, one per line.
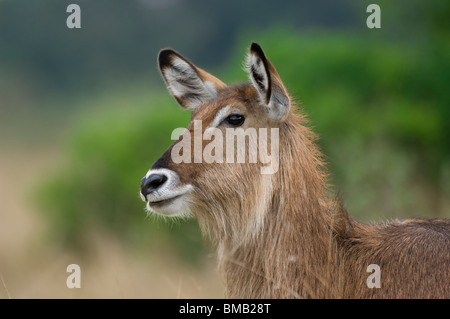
(235, 120)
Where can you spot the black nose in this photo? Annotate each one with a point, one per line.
(153, 182)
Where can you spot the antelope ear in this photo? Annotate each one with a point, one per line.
(267, 82)
(190, 85)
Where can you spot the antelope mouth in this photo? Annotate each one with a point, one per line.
(165, 194)
(171, 205)
(177, 205)
(164, 201)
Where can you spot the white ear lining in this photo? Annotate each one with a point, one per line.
(184, 83)
(278, 105)
(257, 73)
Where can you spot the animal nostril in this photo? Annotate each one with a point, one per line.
(153, 182)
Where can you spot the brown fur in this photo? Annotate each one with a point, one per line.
(279, 236)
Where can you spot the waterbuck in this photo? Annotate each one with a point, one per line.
(277, 232)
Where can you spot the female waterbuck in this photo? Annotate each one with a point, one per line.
(277, 233)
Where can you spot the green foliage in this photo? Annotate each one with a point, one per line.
(381, 112)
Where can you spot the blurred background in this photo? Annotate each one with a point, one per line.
(84, 114)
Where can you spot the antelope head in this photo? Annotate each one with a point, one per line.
(206, 179)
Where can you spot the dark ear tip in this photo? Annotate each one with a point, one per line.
(256, 48)
(165, 57)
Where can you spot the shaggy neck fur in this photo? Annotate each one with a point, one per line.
(278, 232)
